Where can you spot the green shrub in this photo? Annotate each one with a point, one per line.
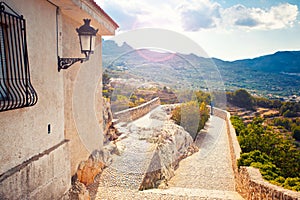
(191, 116)
(238, 124)
(273, 153)
(268, 170)
(246, 159)
(292, 183)
(280, 180)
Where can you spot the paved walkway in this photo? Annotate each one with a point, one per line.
(128, 169)
(207, 174)
(210, 168)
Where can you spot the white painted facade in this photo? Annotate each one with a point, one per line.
(36, 164)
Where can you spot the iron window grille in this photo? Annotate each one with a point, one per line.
(16, 90)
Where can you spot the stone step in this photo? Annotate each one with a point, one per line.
(167, 194)
(113, 178)
(197, 192)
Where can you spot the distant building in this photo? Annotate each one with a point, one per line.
(40, 142)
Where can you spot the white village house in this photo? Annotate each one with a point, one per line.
(50, 119)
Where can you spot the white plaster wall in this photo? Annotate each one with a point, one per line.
(24, 132)
(82, 96)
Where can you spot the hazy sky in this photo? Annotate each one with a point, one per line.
(226, 29)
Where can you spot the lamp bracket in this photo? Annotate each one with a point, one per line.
(65, 63)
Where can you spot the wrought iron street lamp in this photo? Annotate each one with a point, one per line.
(87, 38)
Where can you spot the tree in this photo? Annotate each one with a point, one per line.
(241, 98)
(290, 109)
(189, 115)
(204, 115)
(266, 103)
(296, 133)
(203, 97)
(278, 147)
(292, 183)
(284, 122)
(273, 152)
(105, 79)
(289, 113)
(120, 103)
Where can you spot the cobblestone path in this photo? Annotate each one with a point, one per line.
(210, 168)
(128, 169)
(207, 174)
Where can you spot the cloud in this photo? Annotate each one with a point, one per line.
(195, 15)
(276, 17)
(250, 22)
(124, 14)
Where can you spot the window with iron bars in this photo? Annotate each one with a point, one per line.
(16, 90)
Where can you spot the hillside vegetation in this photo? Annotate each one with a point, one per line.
(277, 74)
(270, 144)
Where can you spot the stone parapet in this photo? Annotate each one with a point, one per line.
(253, 186)
(234, 146)
(248, 180)
(134, 113)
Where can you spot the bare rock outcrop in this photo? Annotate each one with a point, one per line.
(110, 132)
(87, 170)
(79, 192)
(173, 144)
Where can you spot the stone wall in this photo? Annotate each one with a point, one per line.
(132, 114)
(234, 146)
(44, 176)
(253, 186)
(249, 182)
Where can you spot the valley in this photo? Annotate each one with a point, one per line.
(273, 76)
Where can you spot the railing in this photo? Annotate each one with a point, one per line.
(16, 90)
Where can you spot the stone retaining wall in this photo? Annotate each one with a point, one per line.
(132, 114)
(249, 182)
(44, 176)
(255, 187)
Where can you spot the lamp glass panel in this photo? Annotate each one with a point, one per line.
(93, 43)
(85, 42)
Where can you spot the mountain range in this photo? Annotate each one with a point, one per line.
(277, 74)
(281, 61)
